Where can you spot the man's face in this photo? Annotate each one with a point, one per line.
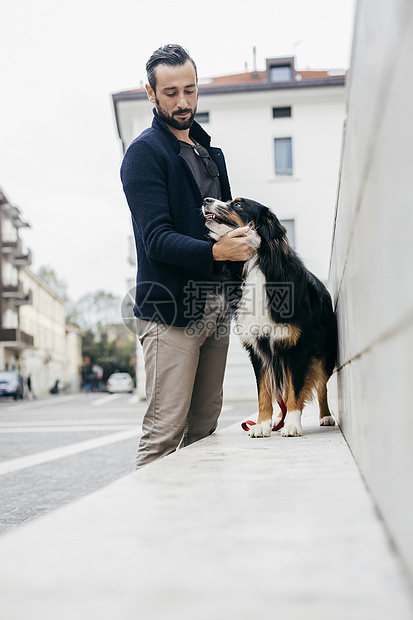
(176, 94)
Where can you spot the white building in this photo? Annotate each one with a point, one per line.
(280, 130)
(44, 319)
(56, 354)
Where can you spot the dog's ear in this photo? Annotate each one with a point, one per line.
(270, 229)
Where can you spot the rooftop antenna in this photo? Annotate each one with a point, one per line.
(255, 73)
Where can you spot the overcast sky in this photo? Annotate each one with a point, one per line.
(60, 62)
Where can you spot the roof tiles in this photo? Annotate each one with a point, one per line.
(251, 78)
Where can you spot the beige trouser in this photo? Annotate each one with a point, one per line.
(184, 375)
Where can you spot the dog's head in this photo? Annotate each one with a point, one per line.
(221, 217)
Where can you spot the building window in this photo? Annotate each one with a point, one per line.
(281, 112)
(289, 225)
(202, 117)
(283, 156)
(280, 73)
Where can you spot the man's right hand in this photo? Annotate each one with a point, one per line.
(237, 245)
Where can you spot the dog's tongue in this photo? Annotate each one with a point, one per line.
(209, 215)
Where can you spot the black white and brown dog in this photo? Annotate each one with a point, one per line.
(283, 315)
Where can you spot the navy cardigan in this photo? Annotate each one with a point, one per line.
(174, 260)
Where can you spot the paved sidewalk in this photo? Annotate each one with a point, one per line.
(228, 528)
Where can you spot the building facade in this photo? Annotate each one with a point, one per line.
(33, 336)
(14, 338)
(281, 131)
(44, 319)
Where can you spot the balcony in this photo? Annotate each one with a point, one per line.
(21, 260)
(16, 338)
(16, 293)
(13, 249)
(13, 291)
(8, 247)
(14, 214)
(25, 300)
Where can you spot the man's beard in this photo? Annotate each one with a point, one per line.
(174, 122)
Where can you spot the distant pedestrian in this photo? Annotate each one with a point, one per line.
(30, 389)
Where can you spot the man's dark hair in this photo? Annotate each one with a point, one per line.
(172, 55)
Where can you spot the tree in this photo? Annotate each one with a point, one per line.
(113, 349)
(95, 310)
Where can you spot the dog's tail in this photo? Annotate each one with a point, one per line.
(274, 372)
(269, 367)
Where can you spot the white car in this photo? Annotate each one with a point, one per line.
(120, 382)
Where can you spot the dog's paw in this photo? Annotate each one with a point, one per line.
(261, 430)
(328, 420)
(291, 430)
(292, 425)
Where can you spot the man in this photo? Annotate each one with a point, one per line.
(166, 173)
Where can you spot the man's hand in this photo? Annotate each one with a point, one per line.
(237, 245)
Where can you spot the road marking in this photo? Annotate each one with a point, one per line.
(57, 453)
(107, 399)
(41, 403)
(27, 423)
(65, 428)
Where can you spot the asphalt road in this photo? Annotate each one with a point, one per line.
(57, 449)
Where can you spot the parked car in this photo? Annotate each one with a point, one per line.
(120, 382)
(11, 384)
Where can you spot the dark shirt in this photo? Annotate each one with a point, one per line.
(208, 185)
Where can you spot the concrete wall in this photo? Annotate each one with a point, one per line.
(372, 259)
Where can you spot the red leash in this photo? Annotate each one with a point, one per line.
(248, 423)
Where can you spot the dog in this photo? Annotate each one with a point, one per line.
(282, 312)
